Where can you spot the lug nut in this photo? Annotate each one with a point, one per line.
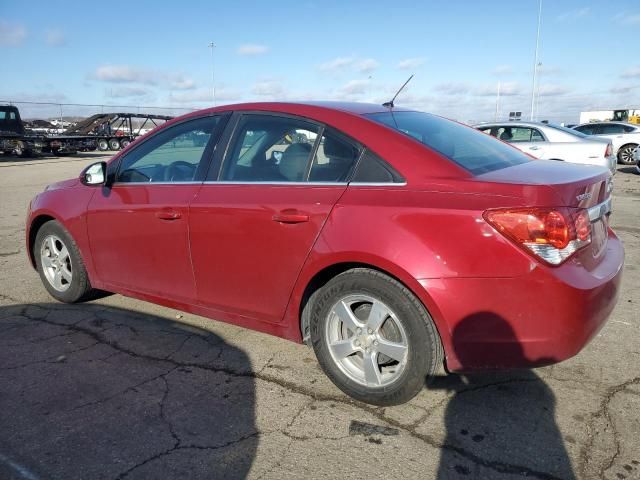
(357, 343)
(375, 342)
(359, 330)
(370, 331)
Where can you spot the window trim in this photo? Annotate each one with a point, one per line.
(205, 161)
(214, 176)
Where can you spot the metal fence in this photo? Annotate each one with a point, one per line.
(51, 110)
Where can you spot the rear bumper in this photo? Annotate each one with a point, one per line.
(540, 318)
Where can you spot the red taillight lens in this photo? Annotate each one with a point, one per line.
(609, 151)
(551, 234)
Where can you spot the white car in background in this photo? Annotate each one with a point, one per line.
(552, 142)
(624, 136)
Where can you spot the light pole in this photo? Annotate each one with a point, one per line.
(213, 75)
(535, 63)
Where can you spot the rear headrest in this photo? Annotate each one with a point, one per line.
(294, 161)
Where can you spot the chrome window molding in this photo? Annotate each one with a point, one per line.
(279, 184)
(116, 184)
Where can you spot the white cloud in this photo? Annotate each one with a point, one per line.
(366, 65)
(251, 49)
(55, 38)
(507, 89)
(203, 95)
(123, 91)
(623, 89)
(268, 88)
(125, 74)
(355, 87)
(452, 88)
(633, 72)
(337, 64)
(12, 34)
(628, 19)
(551, 90)
(574, 14)
(180, 82)
(409, 63)
(502, 70)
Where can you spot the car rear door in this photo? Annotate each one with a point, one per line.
(255, 220)
(138, 227)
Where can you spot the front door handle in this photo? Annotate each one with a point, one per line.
(168, 215)
(290, 216)
(535, 147)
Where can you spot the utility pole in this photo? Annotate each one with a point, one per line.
(213, 75)
(498, 102)
(535, 63)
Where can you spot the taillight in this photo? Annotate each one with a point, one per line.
(552, 234)
(609, 151)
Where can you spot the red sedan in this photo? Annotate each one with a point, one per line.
(391, 241)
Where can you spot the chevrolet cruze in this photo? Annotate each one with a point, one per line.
(392, 241)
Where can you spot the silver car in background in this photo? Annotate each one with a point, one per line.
(553, 142)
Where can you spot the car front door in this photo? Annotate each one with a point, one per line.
(256, 219)
(138, 226)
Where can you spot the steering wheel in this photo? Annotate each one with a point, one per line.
(179, 171)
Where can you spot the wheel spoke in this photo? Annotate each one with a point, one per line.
(64, 253)
(371, 369)
(344, 313)
(343, 348)
(46, 261)
(397, 351)
(57, 279)
(379, 312)
(51, 244)
(65, 274)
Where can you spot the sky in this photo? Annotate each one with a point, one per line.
(156, 54)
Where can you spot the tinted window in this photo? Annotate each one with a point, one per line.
(172, 155)
(268, 148)
(628, 129)
(587, 129)
(372, 169)
(466, 146)
(610, 129)
(334, 159)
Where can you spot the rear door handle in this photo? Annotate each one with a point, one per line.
(168, 215)
(290, 216)
(535, 147)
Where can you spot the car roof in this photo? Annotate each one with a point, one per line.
(511, 124)
(356, 108)
(609, 123)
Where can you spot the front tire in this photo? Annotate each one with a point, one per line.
(60, 265)
(625, 154)
(373, 338)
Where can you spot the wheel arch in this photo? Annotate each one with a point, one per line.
(34, 227)
(301, 303)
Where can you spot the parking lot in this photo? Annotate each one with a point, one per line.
(119, 388)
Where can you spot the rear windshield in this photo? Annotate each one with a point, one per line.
(471, 149)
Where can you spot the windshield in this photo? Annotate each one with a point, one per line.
(473, 150)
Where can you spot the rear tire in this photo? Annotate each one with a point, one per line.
(124, 143)
(625, 154)
(60, 265)
(373, 338)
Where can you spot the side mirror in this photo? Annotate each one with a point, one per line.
(94, 174)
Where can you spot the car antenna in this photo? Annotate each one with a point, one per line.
(390, 104)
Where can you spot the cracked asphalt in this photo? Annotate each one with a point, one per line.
(118, 388)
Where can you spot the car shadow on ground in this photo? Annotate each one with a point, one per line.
(498, 423)
(89, 391)
(628, 169)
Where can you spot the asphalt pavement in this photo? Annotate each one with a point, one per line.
(119, 388)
